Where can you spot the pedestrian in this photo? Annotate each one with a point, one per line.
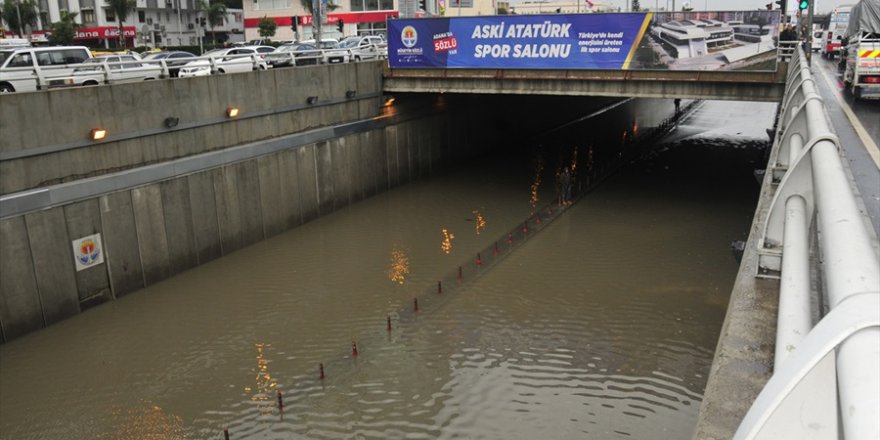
(677, 105)
(565, 187)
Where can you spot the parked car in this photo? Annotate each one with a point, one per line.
(299, 54)
(326, 45)
(173, 59)
(357, 48)
(18, 66)
(229, 60)
(112, 69)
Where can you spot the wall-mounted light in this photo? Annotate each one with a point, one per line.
(231, 112)
(389, 101)
(350, 94)
(312, 99)
(171, 122)
(97, 134)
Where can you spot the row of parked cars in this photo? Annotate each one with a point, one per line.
(30, 68)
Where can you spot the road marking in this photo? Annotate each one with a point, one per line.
(869, 143)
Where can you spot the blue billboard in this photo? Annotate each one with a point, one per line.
(644, 40)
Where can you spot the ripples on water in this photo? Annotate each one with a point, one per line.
(601, 327)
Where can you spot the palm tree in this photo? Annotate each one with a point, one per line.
(216, 13)
(121, 8)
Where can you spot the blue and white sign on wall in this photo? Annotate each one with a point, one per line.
(682, 41)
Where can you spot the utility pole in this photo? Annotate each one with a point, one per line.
(20, 24)
(809, 48)
(179, 26)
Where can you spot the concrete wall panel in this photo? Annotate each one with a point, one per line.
(391, 155)
(228, 215)
(325, 178)
(206, 229)
(271, 197)
(93, 284)
(341, 171)
(289, 187)
(248, 177)
(149, 218)
(20, 309)
(121, 252)
(53, 264)
(176, 206)
(307, 178)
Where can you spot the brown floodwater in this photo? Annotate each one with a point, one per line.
(602, 325)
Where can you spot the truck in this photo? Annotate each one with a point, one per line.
(831, 37)
(861, 51)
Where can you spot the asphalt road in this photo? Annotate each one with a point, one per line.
(857, 123)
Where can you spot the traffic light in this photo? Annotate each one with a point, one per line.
(202, 21)
(804, 4)
(340, 25)
(293, 23)
(422, 5)
(769, 6)
(780, 4)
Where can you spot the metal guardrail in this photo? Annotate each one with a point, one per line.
(106, 72)
(826, 379)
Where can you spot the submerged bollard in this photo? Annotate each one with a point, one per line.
(479, 260)
(226, 433)
(321, 371)
(509, 238)
(538, 218)
(280, 402)
(389, 323)
(526, 227)
(354, 348)
(495, 249)
(415, 304)
(439, 286)
(459, 273)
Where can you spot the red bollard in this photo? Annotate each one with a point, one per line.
(538, 219)
(495, 249)
(321, 370)
(354, 348)
(509, 238)
(479, 260)
(439, 287)
(389, 323)
(459, 273)
(526, 228)
(415, 304)
(226, 433)
(280, 402)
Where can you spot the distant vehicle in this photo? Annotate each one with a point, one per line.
(299, 54)
(6, 43)
(251, 43)
(357, 48)
(326, 45)
(816, 44)
(19, 66)
(110, 69)
(229, 60)
(861, 74)
(173, 59)
(831, 37)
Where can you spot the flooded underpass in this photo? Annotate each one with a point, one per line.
(601, 325)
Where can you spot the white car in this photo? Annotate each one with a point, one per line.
(357, 48)
(230, 60)
(110, 69)
(327, 44)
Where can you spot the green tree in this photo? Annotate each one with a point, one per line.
(121, 8)
(267, 27)
(11, 12)
(64, 30)
(216, 16)
(502, 10)
(636, 7)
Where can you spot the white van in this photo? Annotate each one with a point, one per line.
(25, 69)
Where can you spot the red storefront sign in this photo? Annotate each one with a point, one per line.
(306, 20)
(103, 32)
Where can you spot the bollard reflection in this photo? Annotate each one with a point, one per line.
(536, 183)
(263, 390)
(479, 222)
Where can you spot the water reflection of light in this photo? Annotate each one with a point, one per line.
(446, 244)
(536, 184)
(479, 222)
(590, 159)
(148, 422)
(635, 127)
(264, 389)
(399, 265)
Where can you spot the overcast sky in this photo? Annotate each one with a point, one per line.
(822, 6)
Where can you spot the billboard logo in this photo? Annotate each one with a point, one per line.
(408, 36)
(87, 251)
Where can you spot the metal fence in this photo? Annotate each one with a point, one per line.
(826, 380)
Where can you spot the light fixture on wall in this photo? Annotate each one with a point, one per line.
(97, 134)
(311, 100)
(171, 122)
(231, 112)
(350, 94)
(389, 101)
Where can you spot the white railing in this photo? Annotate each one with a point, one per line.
(826, 380)
(105, 72)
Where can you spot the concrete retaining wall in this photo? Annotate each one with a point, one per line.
(154, 231)
(46, 134)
